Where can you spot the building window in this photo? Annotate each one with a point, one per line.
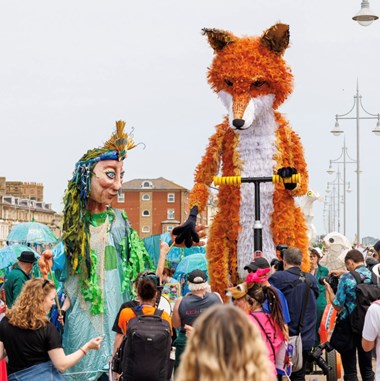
(170, 214)
(120, 197)
(171, 197)
(145, 229)
(145, 197)
(146, 184)
(169, 228)
(145, 213)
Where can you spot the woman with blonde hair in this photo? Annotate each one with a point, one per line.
(224, 346)
(31, 342)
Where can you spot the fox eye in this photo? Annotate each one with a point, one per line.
(257, 84)
(228, 82)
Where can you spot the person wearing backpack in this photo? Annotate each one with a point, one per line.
(301, 291)
(147, 344)
(344, 340)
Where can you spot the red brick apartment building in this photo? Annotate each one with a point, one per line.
(154, 206)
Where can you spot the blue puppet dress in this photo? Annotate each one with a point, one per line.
(117, 256)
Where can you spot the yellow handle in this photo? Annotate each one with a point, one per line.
(227, 180)
(294, 179)
(236, 180)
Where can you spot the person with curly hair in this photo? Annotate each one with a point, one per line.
(233, 351)
(31, 342)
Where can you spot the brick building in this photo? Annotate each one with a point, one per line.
(155, 206)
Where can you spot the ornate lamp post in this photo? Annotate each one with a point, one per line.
(342, 159)
(337, 131)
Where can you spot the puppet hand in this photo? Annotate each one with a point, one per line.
(62, 317)
(286, 172)
(187, 232)
(45, 262)
(164, 248)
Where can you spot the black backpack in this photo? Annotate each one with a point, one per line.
(147, 348)
(366, 293)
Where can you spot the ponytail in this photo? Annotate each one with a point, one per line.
(275, 308)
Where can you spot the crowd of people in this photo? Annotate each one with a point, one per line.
(213, 340)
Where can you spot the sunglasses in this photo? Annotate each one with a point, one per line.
(46, 281)
(154, 278)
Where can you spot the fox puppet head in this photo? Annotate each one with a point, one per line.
(249, 74)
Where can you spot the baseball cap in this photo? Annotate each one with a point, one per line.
(258, 263)
(197, 277)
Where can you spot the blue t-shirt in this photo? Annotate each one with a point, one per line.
(284, 305)
(346, 294)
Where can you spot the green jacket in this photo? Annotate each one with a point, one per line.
(321, 300)
(13, 284)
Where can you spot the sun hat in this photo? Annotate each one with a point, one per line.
(316, 250)
(27, 257)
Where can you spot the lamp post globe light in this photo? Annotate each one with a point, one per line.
(338, 131)
(344, 159)
(365, 16)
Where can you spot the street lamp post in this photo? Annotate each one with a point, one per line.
(333, 200)
(337, 131)
(342, 159)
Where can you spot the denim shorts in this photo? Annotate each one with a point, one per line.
(44, 371)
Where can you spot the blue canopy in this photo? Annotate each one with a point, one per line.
(33, 233)
(9, 254)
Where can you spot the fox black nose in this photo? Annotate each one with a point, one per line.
(238, 123)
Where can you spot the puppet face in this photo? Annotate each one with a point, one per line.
(249, 74)
(106, 180)
(238, 291)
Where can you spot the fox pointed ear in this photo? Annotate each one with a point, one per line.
(276, 38)
(218, 39)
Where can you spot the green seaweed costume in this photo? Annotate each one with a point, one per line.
(103, 257)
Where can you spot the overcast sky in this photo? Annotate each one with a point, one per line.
(70, 69)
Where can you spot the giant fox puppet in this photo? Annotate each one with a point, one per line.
(252, 79)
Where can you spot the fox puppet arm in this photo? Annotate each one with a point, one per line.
(205, 171)
(290, 157)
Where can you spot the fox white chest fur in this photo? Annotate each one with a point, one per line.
(256, 149)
